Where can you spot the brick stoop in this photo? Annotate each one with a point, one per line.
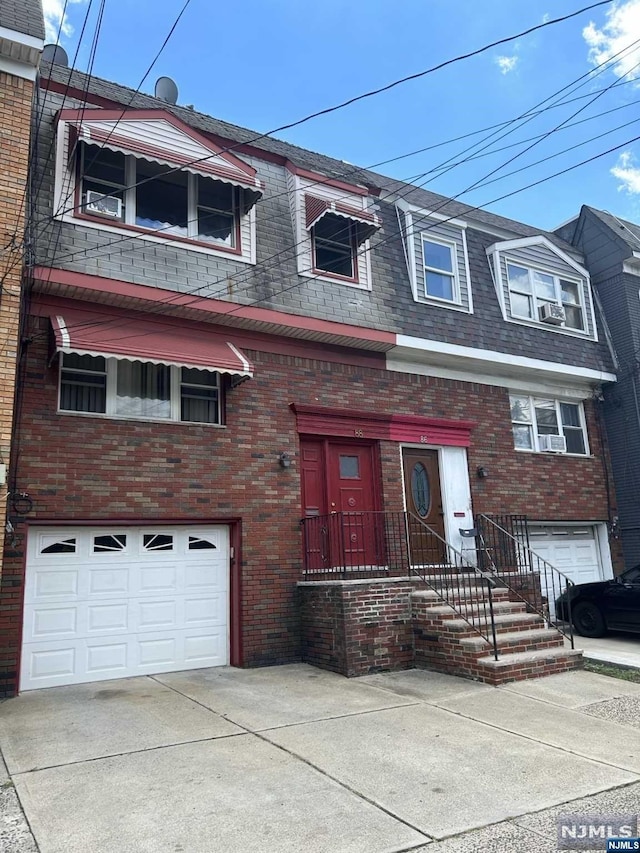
(445, 641)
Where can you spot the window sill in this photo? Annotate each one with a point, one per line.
(139, 419)
(437, 302)
(134, 232)
(319, 275)
(547, 327)
(550, 453)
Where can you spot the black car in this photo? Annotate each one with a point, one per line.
(604, 606)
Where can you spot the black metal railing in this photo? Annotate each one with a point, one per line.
(525, 573)
(353, 545)
(456, 579)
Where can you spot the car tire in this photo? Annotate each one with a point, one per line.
(588, 620)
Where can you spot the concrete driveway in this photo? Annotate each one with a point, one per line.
(291, 759)
(616, 647)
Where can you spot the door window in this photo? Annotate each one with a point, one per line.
(420, 490)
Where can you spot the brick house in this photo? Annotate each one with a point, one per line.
(611, 247)
(21, 42)
(227, 335)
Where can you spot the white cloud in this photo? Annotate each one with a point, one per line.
(506, 63)
(546, 18)
(628, 173)
(620, 30)
(52, 10)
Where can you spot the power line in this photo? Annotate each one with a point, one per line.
(374, 92)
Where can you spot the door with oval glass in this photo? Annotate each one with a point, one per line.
(424, 500)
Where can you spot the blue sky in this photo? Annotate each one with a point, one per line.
(264, 63)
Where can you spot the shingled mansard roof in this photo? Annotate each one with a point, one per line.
(22, 16)
(424, 199)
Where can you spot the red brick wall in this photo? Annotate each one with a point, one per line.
(80, 468)
(357, 627)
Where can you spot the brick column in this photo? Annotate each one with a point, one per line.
(16, 99)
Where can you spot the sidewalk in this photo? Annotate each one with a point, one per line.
(291, 759)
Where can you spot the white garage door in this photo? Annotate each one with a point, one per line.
(572, 550)
(108, 603)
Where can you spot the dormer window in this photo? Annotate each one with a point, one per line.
(150, 172)
(121, 188)
(334, 246)
(333, 223)
(541, 285)
(531, 290)
(437, 259)
(439, 269)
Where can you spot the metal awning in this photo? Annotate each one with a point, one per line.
(130, 336)
(317, 208)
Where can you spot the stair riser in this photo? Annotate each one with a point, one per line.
(480, 673)
(500, 594)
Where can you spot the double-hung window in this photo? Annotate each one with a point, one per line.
(334, 246)
(119, 187)
(439, 261)
(138, 389)
(530, 290)
(548, 425)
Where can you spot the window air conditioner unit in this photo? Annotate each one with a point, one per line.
(552, 314)
(103, 205)
(552, 443)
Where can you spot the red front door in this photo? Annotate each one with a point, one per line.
(339, 481)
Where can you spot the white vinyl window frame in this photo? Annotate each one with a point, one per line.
(533, 427)
(453, 273)
(129, 191)
(176, 386)
(534, 298)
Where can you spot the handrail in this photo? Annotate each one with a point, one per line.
(352, 545)
(521, 561)
(454, 579)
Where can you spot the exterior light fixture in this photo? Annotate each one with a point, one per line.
(482, 472)
(285, 460)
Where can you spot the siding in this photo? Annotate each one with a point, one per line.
(274, 282)
(420, 226)
(545, 260)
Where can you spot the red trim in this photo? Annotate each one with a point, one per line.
(317, 178)
(312, 420)
(44, 306)
(211, 306)
(162, 235)
(235, 570)
(87, 116)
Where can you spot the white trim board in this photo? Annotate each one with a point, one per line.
(419, 355)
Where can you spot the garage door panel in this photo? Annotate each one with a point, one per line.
(52, 622)
(51, 583)
(107, 580)
(130, 611)
(159, 578)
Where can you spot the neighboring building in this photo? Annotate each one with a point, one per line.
(21, 42)
(260, 334)
(611, 248)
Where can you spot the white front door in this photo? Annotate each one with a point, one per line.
(113, 602)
